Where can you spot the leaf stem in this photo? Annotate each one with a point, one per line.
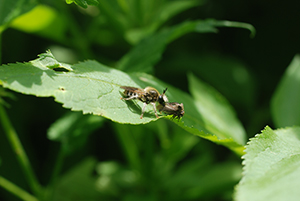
(17, 191)
(19, 151)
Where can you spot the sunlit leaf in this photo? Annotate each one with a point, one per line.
(285, 102)
(89, 87)
(272, 166)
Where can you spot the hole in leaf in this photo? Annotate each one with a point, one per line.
(57, 68)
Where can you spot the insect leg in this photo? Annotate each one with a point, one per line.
(154, 107)
(143, 110)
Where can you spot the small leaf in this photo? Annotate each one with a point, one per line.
(73, 129)
(285, 101)
(272, 166)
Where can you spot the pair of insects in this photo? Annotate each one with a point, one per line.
(150, 95)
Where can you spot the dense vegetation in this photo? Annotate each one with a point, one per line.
(65, 134)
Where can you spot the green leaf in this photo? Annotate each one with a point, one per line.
(94, 88)
(11, 9)
(83, 3)
(272, 166)
(78, 183)
(216, 116)
(149, 51)
(285, 101)
(73, 129)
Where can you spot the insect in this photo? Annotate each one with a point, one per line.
(172, 108)
(147, 95)
(169, 108)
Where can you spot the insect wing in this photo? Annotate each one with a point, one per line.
(132, 89)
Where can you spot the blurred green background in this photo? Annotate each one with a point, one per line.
(245, 70)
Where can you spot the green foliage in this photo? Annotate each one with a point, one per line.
(139, 43)
(271, 169)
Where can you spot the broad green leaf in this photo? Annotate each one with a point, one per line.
(37, 19)
(83, 3)
(93, 88)
(285, 101)
(149, 51)
(89, 87)
(78, 183)
(11, 9)
(73, 129)
(271, 166)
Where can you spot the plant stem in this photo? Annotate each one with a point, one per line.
(17, 191)
(19, 151)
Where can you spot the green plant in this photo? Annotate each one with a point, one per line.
(162, 160)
